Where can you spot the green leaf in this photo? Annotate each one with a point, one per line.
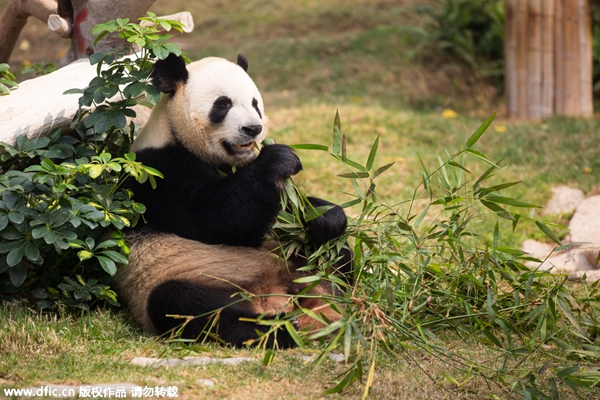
(16, 217)
(153, 95)
(488, 333)
(15, 256)
(3, 221)
(95, 170)
(381, 170)
(268, 357)
(544, 228)
(32, 252)
(421, 217)
(337, 134)
(108, 265)
(509, 201)
(490, 305)
(18, 274)
(482, 157)
(308, 146)
(308, 279)
(294, 334)
(39, 231)
(357, 175)
(115, 256)
(84, 255)
(354, 374)
(372, 154)
(475, 137)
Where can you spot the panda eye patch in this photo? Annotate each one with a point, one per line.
(255, 105)
(219, 109)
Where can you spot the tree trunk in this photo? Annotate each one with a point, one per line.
(14, 19)
(548, 58)
(74, 19)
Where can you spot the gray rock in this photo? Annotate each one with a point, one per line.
(564, 200)
(585, 224)
(580, 260)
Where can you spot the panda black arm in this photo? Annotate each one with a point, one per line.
(195, 202)
(330, 225)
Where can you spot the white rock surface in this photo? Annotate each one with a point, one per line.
(579, 260)
(585, 224)
(564, 200)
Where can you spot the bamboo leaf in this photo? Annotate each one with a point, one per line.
(475, 137)
(372, 154)
(484, 191)
(308, 279)
(421, 217)
(381, 170)
(358, 175)
(349, 379)
(509, 201)
(566, 309)
(309, 146)
(337, 134)
(544, 228)
(482, 157)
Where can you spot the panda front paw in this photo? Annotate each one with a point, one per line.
(280, 159)
(328, 226)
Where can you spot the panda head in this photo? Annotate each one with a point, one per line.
(211, 107)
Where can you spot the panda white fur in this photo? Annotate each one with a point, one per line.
(202, 243)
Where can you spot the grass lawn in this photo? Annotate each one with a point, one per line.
(311, 58)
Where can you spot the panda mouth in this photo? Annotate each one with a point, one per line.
(238, 149)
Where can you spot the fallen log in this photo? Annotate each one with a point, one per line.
(39, 105)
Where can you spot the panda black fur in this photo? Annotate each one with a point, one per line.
(202, 243)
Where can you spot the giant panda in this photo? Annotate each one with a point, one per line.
(201, 251)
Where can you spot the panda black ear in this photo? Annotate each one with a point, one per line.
(242, 62)
(167, 73)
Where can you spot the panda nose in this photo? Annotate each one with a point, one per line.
(252, 130)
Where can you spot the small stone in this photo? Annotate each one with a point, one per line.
(171, 362)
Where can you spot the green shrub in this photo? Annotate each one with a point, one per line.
(62, 208)
(7, 79)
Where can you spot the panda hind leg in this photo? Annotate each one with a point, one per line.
(176, 297)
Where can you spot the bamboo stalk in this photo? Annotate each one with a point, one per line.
(559, 60)
(548, 58)
(522, 98)
(585, 59)
(571, 56)
(510, 64)
(534, 59)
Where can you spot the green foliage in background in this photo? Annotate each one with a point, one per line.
(62, 208)
(38, 69)
(472, 31)
(7, 79)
